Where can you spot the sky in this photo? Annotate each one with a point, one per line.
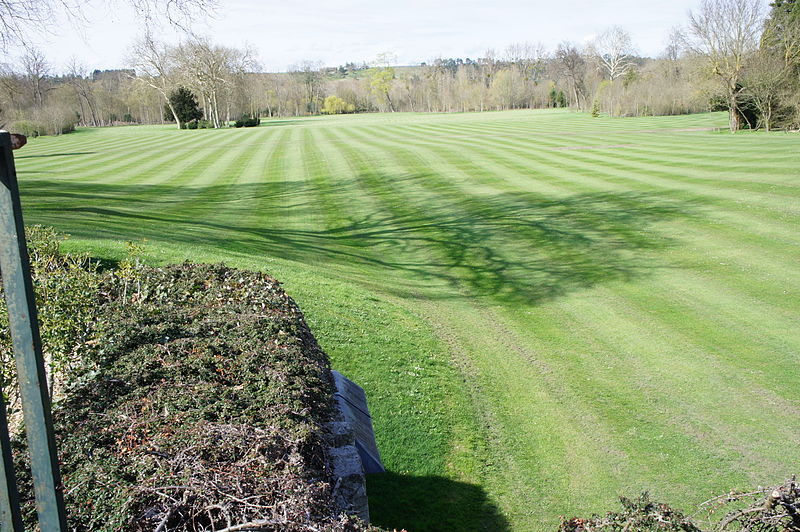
(334, 32)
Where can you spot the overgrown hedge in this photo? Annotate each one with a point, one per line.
(198, 403)
(33, 128)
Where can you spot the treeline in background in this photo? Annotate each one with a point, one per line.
(730, 56)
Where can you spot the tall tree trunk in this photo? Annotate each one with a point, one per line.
(93, 110)
(83, 121)
(174, 114)
(215, 109)
(768, 117)
(733, 110)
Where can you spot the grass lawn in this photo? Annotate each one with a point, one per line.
(546, 310)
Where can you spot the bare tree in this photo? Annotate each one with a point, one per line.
(245, 89)
(727, 32)
(179, 13)
(572, 63)
(156, 67)
(19, 18)
(489, 65)
(676, 44)
(309, 75)
(764, 81)
(77, 77)
(614, 52)
(210, 70)
(35, 70)
(11, 89)
(529, 59)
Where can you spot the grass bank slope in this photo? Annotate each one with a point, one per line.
(547, 310)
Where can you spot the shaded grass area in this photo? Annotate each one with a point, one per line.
(439, 503)
(539, 328)
(510, 247)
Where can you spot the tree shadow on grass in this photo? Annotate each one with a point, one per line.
(54, 155)
(429, 504)
(519, 247)
(276, 122)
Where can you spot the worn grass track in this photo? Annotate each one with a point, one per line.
(547, 310)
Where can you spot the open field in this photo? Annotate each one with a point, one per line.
(547, 310)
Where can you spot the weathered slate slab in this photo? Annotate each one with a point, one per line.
(352, 402)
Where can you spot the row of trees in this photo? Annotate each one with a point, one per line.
(34, 100)
(225, 83)
(730, 56)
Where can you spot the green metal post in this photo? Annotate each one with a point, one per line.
(22, 318)
(10, 516)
